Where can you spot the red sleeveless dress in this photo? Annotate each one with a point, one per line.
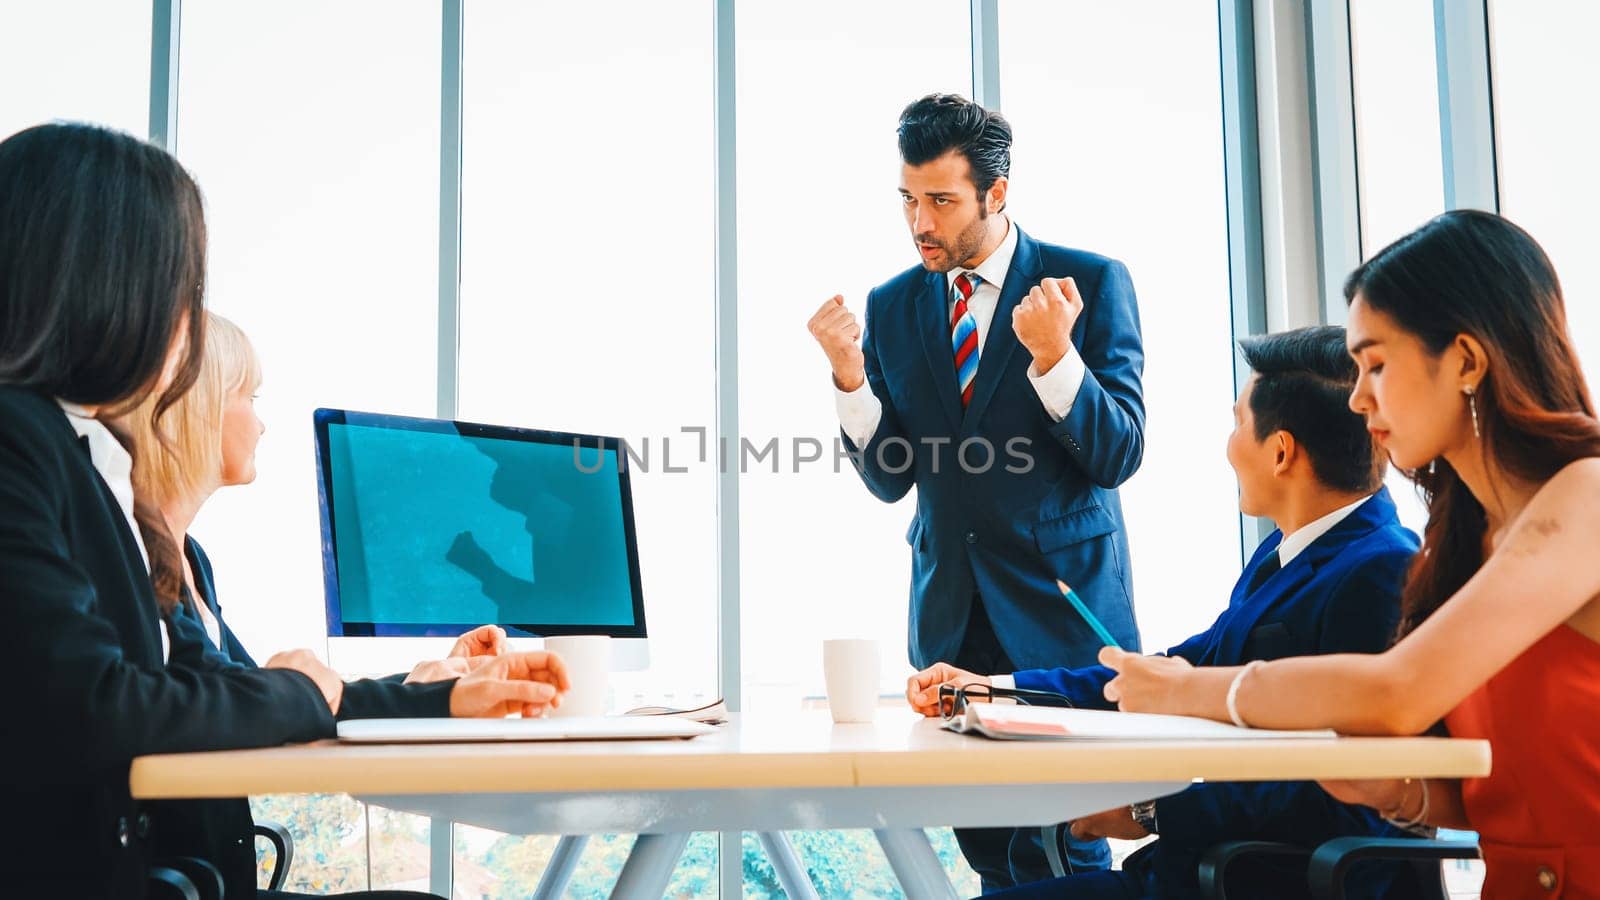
(1538, 812)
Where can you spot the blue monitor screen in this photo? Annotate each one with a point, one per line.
(432, 526)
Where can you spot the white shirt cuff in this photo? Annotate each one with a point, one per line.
(859, 413)
(1007, 682)
(1058, 388)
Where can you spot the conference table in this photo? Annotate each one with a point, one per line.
(769, 773)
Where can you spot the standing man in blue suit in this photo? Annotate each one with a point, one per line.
(1001, 378)
(1327, 581)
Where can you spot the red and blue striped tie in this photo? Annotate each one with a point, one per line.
(964, 335)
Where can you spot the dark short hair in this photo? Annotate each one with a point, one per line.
(1303, 382)
(939, 123)
(102, 256)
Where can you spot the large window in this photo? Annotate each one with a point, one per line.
(1398, 159)
(1396, 81)
(586, 305)
(821, 86)
(317, 151)
(586, 288)
(79, 60)
(1544, 64)
(1118, 116)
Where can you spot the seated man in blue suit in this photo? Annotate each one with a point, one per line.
(1327, 581)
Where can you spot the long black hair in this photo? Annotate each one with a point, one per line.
(1470, 272)
(102, 262)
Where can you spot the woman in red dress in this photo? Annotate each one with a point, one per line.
(1468, 379)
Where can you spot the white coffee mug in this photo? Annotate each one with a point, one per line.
(588, 660)
(850, 669)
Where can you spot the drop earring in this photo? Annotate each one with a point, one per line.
(1472, 404)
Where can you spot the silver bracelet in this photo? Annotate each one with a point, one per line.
(1417, 823)
(1233, 694)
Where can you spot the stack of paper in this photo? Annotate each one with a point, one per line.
(1047, 723)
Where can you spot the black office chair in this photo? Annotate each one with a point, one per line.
(1329, 865)
(189, 878)
(184, 878)
(1214, 864)
(283, 852)
(1332, 862)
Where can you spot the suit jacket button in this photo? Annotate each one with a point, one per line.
(1547, 879)
(122, 831)
(972, 537)
(142, 829)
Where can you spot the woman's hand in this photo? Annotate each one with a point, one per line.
(525, 684)
(485, 640)
(306, 663)
(1148, 684)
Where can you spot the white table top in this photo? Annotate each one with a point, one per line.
(801, 750)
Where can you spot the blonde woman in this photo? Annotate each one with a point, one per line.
(208, 441)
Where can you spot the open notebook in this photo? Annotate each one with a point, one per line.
(1048, 723)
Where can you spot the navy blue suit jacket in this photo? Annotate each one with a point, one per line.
(1339, 595)
(1041, 503)
(205, 582)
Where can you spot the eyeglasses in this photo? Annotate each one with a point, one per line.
(953, 698)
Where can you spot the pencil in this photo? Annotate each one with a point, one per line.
(1083, 610)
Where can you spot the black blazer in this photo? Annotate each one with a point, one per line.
(223, 831)
(81, 647)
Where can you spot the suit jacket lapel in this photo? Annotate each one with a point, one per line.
(1001, 341)
(932, 321)
(1291, 578)
(1280, 584)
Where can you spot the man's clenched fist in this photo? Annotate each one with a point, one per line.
(1043, 321)
(839, 335)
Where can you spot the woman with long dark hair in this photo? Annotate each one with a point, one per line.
(102, 267)
(1468, 378)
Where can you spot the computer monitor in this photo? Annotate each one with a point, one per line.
(431, 527)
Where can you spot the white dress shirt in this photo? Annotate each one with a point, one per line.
(212, 626)
(1292, 545)
(1295, 542)
(115, 466)
(860, 410)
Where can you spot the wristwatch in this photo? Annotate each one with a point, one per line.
(1145, 815)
